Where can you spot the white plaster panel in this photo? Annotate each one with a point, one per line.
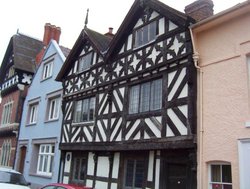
(177, 83)
(83, 52)
(113, 186)
(184, 110)
(150, 166)
(179, 125)
(157, 173)
(103, 166)
(154, 15)
(76, 133)
(91, 164)
(116, 163)
(153, 128)
(116, 128)
(86, 131)
(169, 132)
(138, 23)
(101, 185)
(100, 127)
(65, 180)
(172, 26)
(67, 162)
(132, 128)
(89, 183)
(122, 49)
(184, 92)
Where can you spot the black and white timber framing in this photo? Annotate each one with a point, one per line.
(165, 139)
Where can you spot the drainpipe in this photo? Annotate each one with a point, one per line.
(200, 107)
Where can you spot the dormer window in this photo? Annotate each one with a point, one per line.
(145, 34)
(84, 62)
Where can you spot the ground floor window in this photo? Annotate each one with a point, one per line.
(45, 159)
(5, 153)
(79, 171)
(220, 176)
(135, 172)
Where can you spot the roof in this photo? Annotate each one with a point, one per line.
(9, 170)
(65, 50)
(106, 47)
(24, 49)
(99, 42)
(135, 12)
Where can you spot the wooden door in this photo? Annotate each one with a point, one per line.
(176, 176)
(23, 150)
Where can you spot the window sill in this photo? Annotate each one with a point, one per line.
(30, 124)
(247, 124)
(41, 175)
(87, 123)
(51, 120)
(46, 78)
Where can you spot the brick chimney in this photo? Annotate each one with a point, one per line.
(200, 9)
(110, 33)
(50, 32)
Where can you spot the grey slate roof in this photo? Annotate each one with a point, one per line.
(24, 49)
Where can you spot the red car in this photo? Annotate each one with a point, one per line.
(64, 186)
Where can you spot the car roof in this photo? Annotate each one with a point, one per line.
(69, 186)
(7, 169)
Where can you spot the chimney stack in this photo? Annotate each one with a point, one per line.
(200, 9)
(50, 32)
(110, 33)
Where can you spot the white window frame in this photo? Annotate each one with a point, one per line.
(45, 161)
(53, 108)
(146, 34)
(5, 153)
(145, 96)
(33, 113)
(219, 182)
(7, 111)
(47, 70)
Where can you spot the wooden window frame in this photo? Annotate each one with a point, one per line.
(136, 98)
(89, 108)
(84, 62)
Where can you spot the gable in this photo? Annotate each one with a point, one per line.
(167, 19)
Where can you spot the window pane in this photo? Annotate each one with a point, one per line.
(77, 113)
(85, 62)
(227, 186)
(145, 35)
(152, 31)
(145, 96)
(226, 173)
(134, 99)
(139, 173)
(216, 186)
(40, 163)
(85, 108)
(129, 173)
(215, 173)
(156, 95)
(92, 109)
(138, 37)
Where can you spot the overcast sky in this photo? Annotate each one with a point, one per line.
(30, 16)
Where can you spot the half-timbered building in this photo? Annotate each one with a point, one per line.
(129, 104)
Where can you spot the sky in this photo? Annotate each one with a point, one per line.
(30, 16)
